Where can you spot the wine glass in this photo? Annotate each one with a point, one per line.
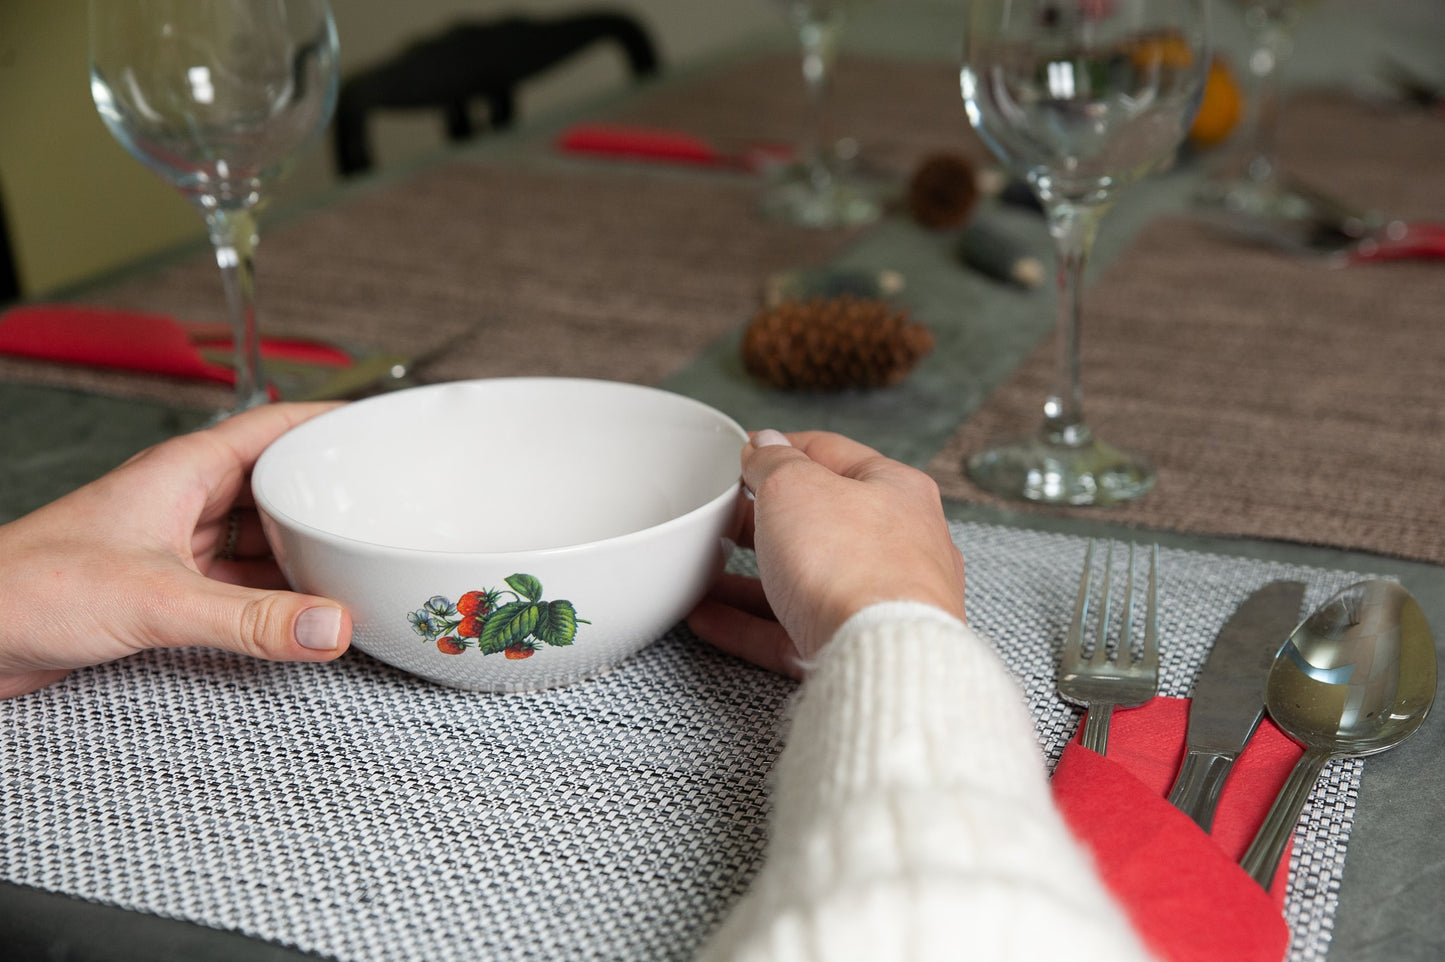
(218, 97)
(1079, 97)
(814, 191)
(1249, 180)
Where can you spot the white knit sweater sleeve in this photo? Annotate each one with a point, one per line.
(912, 818)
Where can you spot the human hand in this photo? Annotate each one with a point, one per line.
(837, 527)
(138, 559)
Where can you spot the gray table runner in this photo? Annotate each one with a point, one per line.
(353, 811)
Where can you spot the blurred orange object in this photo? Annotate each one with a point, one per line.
(1220, 109)
(1166, 48)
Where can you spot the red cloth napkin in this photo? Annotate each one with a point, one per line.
(644, 142)
(1183, 890)
(652, 143)
(132, 341)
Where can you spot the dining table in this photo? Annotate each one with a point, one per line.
(191, 803)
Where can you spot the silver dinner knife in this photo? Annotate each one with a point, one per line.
(309, 381)
(387, 369)
(1228, 699)
(368, 371)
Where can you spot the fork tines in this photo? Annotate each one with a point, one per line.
(1117, 675)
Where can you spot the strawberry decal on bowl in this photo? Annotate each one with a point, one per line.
(486, 621)
(450, 646)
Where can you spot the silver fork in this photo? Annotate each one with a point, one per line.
(1106, 679)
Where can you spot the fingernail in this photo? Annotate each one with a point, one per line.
(319, 628)
(767, 437)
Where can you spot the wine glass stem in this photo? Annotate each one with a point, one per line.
(233, 235)
(819, 37)
(1073, 227)
(1271, 46)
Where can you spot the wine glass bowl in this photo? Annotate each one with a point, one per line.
(219, 98)
(1080, 98)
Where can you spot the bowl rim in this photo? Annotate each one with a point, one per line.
(268, 509)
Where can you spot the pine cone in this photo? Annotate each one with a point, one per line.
(831, 344)
(943, 191)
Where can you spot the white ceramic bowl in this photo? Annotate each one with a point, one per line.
(505, 534)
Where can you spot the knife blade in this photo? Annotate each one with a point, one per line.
(306, 380)
(1228, 698)
(388, 370)
(365, 373)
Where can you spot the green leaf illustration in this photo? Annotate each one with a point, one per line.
(510, 623)
(556, 623)
(490, 648)
(526, 586)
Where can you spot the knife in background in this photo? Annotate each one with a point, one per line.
(386, 371)
(1228, 699)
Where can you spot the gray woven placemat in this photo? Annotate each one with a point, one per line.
(353, 811)
(1034, 577)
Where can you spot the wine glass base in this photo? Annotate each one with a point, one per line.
(796, 197)
(1049, 472)
(1269, 199)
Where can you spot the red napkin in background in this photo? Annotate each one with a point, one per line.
(96, 338)
(132, 341)
(644, 142)
(651, 143)
(1183, 890)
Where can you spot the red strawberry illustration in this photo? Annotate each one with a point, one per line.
(471, 626)
(519, 650)
(450, 646)
(477, 603)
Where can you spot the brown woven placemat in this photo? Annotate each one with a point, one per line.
(1278, 399)
(584, 270)
(598, 272)
(897, 111)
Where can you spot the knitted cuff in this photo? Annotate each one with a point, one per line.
(905, 694)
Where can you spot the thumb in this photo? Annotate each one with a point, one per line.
(271, 624)
(768, 438)
(764, 453)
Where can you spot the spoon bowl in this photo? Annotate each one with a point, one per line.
(1357, 677)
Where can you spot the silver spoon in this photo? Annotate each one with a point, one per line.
(1355, 678)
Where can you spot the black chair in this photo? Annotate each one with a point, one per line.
(476, 61)
(9, 276)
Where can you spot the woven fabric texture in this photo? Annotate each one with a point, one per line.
(356, 812)
(571, 272)
(899, 112)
